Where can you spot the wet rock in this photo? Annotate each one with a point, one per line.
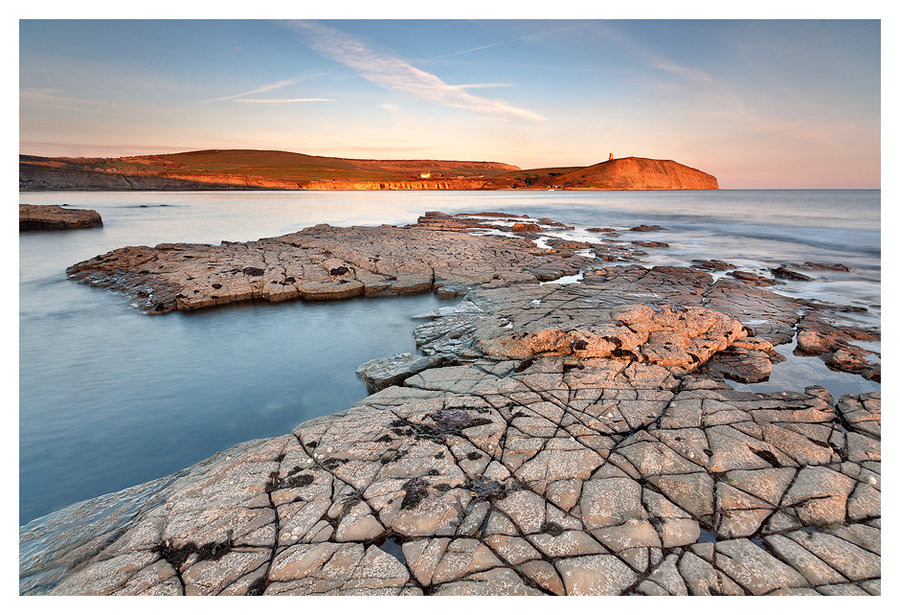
(820, 333)
(752, 279)
(786, 274)
(712, 265)
(519, 227)
(604, 229)
(741, 365)
(820, 266)
(643, 228)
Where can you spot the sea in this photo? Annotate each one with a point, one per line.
(110, 397)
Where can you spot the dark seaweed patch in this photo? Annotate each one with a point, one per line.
(416, 490)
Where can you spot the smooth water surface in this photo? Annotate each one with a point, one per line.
(110, 397)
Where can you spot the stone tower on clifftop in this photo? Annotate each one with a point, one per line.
(610, 156)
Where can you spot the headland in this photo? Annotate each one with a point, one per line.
(277, 170)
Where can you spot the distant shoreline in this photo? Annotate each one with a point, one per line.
(272, 170)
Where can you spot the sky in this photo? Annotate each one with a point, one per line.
(757, 103)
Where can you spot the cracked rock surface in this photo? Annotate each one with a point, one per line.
(576, 476)
(576, 439)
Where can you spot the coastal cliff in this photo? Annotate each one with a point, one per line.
(639, 174)
(39, 178)
(423, 184)
(273, 170)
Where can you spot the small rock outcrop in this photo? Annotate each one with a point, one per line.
(381, 373)
(54, 217)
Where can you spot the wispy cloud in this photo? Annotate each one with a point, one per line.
(471, 86)
(282, 100)
(394, 73)
(260, 90)
(268, 87)
(54, 98)
(506, 42)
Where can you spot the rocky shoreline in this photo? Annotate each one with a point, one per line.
(577, 439)
(54, 217)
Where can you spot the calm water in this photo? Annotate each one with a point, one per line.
(110, 397)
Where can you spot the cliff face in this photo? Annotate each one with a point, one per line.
(36, 178)
(33, 178)
(424, 184)
(638, 174)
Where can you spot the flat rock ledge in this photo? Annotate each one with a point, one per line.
(327, 263)
(451, 255)
(577, 439)
(54, 217)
